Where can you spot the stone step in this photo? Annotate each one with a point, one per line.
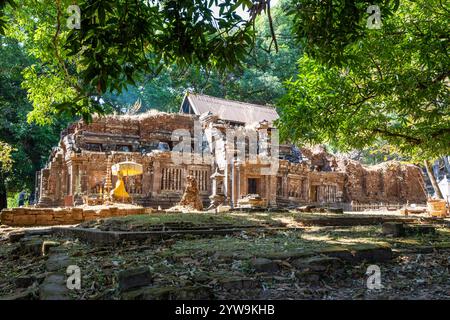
(54, 288)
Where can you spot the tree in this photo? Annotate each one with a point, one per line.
(24, 147)
(6, 163)
(122, 41)
(119, 41)
(390, 85)
(260, 80)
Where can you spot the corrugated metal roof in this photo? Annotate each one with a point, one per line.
(230, 110)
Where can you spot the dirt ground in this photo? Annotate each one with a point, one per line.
(271, 256)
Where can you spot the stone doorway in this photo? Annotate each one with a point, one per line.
(253, 186)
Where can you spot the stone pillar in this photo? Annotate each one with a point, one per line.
(242, 182)
(233, 185)
(76, 184)
(238, 181)
(63, 191)
(265, 188)
(57, 180)
(225, 184)
(156, 189)
(284, 186)
(37, 186)
(146, 181)
(184, 174)
(44, 199)
(70, 182)
(272, 190)
(108, 184)
(84, 185)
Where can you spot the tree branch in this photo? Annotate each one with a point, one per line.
(413, 140)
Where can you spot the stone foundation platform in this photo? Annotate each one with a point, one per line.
(61, 216)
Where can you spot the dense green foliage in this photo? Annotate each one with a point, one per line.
(118, 43)
(123, 42)
(24, 147)
(5, 156)
(327, 27)
(260, 80)
(391, 85)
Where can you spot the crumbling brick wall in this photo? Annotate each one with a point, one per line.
(386, 182)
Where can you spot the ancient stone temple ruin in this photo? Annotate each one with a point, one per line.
(227, 146)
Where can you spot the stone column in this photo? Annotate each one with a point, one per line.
(238, 182)
(156, 189)
(284, 186)
(57, 179)
(233, 185)
(146, 180)
(272, 190)
(76, 185)
(45, 199)
(225, 183)
(37, 186)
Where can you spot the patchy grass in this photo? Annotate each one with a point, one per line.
(311, 239)
(245, 245)
(373, 234)
(186, 220)
(233, 219)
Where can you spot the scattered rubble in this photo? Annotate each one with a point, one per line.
(314, 262)
(191, 200)
(264, 265)
(134, 278)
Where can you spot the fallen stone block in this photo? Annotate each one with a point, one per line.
(318, 263)
(264, 265)
(16, 236)
(134, 278)
(24, 281)
(57, 261)
(338, 252)
(395, 229)
(54, 287)
(33, 246)
(371, 253)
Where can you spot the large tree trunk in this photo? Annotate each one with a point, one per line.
(3, 196)
(433, 180)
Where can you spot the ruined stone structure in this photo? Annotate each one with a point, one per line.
(191, 197)
(78, 169)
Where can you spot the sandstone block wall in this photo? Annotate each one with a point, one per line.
(61, 216)
(77, 170)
